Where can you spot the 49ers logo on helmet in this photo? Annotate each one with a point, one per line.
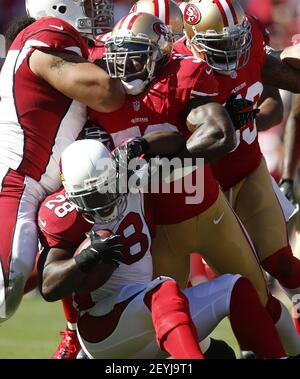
(192, 14)
(160, 29)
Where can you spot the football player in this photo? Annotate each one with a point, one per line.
(170, 92)
(126, 303)
(46, 83)
(292, 156)
(234, 46)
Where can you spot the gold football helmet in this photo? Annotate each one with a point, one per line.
(139, 45)
(218, 32)
(166, 10)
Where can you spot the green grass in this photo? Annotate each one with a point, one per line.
(33, 332)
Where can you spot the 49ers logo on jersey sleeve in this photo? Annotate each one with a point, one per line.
(192, 14)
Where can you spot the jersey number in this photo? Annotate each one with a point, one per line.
(60, 210)
(247, 134)
(135, 241)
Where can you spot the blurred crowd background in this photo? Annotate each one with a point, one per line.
(282, 17)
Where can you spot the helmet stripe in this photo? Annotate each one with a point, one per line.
(156, 8)
(235, 19)
(227, 11)
(223, 14)
(122, 22)
(128, 21)
(161, 10)
(167, 12)
(132, 21)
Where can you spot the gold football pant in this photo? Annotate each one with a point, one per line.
(222, 241)
(256, 204)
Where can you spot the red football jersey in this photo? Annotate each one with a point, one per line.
(60, 224)
(233, 167)
(162, 107)
(37, 121)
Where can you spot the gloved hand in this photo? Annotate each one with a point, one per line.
(287, 187)
(130, 149)
(106, 250)
(235, 108)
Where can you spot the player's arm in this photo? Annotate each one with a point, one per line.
(61, 273)
(160, 143)
(280, 74)
(291, 55)
(165, 143)
(58, 274)
(291, 147)
(212, 128)
(271, 109)
(78, 79)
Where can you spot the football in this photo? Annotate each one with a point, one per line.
(100, 273)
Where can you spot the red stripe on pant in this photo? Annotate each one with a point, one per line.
(10, 196)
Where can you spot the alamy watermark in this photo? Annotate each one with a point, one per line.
(157, 175)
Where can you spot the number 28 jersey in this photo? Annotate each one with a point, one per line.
(61, 226)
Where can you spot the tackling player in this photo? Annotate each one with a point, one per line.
(164, 98)
(233, 45)
(292, 153)
(129, 304)
(46, 83)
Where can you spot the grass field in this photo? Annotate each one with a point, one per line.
(33, 332)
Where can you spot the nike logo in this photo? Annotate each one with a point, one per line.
(57, 27)
(217, 221)
(43, 223)
(208, 71)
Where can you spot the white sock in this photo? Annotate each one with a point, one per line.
(287, 332)
(71, 326)
(205, 344)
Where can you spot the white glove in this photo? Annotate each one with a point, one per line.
(135, 87)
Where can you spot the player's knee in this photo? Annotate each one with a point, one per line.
(169, 307)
